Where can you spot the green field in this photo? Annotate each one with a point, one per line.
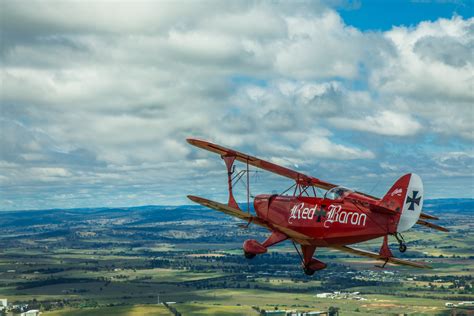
(125, 266)
(137, 310)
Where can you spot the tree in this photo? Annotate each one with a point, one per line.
(333, 311)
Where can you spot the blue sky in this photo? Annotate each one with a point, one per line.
(96, 106)
(383, 15)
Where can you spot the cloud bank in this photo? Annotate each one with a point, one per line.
(96, 105)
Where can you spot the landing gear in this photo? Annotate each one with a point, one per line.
(249, 255)
(253, 247)
(402, 246)
(309, 264)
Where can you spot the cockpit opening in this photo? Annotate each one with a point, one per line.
(337, 193)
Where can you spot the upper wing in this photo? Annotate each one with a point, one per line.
(298, 237)
(300, 178)
(377, 256)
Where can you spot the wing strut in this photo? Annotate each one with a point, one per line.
(229, 163)
(248, 188)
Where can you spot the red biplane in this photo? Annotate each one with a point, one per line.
(336, 219)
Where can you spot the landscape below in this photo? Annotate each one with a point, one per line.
(128, 261)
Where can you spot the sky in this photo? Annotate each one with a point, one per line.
(98, 97)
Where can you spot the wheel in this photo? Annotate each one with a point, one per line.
(402, 248)
(249, 255)
(308, 271)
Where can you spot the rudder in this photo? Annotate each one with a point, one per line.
(405, 197)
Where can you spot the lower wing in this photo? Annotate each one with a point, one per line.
(377, 256)
(224, 208)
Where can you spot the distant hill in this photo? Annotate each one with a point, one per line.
(157, 213)
(449, 206)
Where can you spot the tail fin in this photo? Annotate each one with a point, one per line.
(405, 197)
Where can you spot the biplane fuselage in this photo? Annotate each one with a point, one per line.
(336, 219)
(327, 222)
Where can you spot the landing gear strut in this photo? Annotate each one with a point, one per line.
(402, 246)
(253, 247)
(309, 264)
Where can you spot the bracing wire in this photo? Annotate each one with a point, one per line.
(299, 254)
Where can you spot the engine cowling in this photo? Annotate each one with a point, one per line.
(261, 204)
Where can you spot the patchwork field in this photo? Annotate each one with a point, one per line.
(130, 261)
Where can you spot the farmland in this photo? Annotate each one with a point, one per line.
(126, 261)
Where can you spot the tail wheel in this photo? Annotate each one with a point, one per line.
(249, 255)
(308, 271)
(401, 241)
(402, 247)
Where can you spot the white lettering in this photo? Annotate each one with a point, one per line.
(343, 218)
(299, 211)
(355, 218)
(397, 191)
(304, 215)
(336, 214)
(311, 212)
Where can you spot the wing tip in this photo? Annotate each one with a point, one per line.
(194, 198)
(191, 140)
(194, 141)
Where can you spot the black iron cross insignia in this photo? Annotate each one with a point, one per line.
(413, 200)
(321, 213)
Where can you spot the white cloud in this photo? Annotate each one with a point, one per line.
(409, 72)
(48, 174)
(433, 73)
(383, 123)
(456, 163)
(104, 101)
(320, 147)
(319, 47)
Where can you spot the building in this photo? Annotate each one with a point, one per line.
(293, 313)
(3, 304)
(324, 295)
(274, 313)
(32, 312)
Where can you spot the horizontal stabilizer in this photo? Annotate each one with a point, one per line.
(380, 209)
(373, 207)
(431, 225)
(428, 216)
(377, 256)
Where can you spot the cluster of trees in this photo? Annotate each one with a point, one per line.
(172, 309)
